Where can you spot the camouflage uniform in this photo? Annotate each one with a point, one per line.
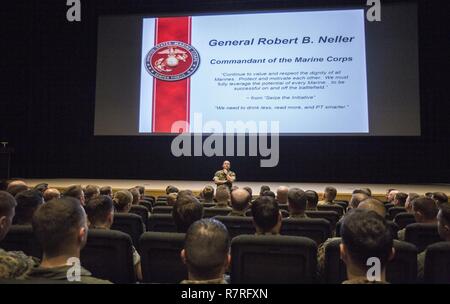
(421, 264)
(15, 264)
(363, 281)
(60, 274)
(237, 213)
(222, 176)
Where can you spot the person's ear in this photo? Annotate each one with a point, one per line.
(82, 235)
(343, 252)
(227, 262)
(110, 218)
(3, 222)
(391, 254)
(183, 256)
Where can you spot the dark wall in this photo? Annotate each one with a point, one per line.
(48, 72)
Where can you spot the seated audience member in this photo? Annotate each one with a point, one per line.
(41, 187)
(297, 201)
(390, 195)
(312, 200)
(443, 222)
(171, 189)
(282, 195)
(270, 194)
(75, 191)
(374, 205)
(400, 199)
(234, 188)
(266, 216)
(51, 193)
(206, 252)
(329, 196)
(123, 201)
(14, 264)
(263, 189)
(425, 211)
(240, 201)
(208, 195)
(440, 198)
(186, 211)
(365, 234)
(27, 203)
(15, 187)
(362, 191)
(106, 190)
(61, 228)
(100, 212)
(367, 191)
(141, 190)
(356, 199)
(136, 196)
(409, 199)
(429, 194)
(222, 197)
(172, 199)
(91, 191)
(249, 190)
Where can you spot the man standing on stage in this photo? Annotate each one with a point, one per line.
(225, 176)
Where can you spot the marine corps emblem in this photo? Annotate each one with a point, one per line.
(172, 61)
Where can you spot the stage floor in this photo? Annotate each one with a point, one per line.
(157, 187)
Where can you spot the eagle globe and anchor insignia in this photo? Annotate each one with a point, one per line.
(172, 61)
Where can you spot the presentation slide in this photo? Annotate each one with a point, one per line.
(316, 72)
(304, 70)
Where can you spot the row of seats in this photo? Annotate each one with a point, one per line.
(255, 259)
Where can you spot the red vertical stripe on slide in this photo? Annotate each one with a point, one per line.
(171, 98)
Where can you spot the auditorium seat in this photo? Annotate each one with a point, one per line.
(392, 212)
(211, 212)
(150, 198)
(331, 216)
(160, 257)
(284, 207)
(336, 208)
(146, 204)
(141, 211)
(161, 204)
(208, 205)
(161, 223)
(237, 225)
(422, 235)
(108, 255)
(22, 238)
(437, 264)
(129, 223)
(402, 269)
(316, 229)
(162, 209)
(404, 219)
(343, 204)
(273, 260)
(392, 225)
(284, 213)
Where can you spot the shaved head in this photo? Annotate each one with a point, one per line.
(240, 199)
(374, 205)
(51, 193)
(282, 194)
(357, 198)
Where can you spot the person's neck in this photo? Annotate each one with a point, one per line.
(100, 226)
(354, 273)
(219, 276)
(60, 260)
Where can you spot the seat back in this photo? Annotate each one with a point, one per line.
(273, 259)
(336, 208)
(402, 269)
(437, 264)
(162, 209)
(141, 211)
(160, 257)
(331, 216)
(22, 238)
(161, 223)
(389, 206)
(392, 212)
(237, 225)
(108, 255)
(161, 204)
(343, 204)
(130, 224)
(146, 204)
(404, 219)
(422, 235)
(316, 229)
(211, 212)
